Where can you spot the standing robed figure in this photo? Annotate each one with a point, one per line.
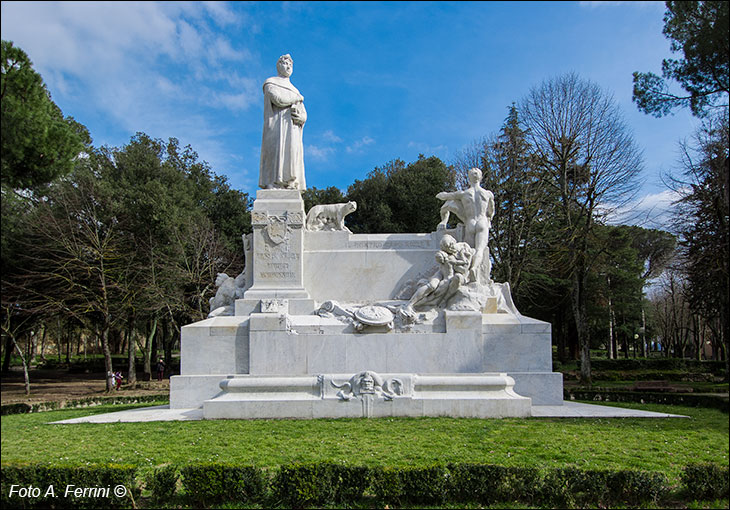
(282, 152)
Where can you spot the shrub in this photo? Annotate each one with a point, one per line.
(162, 482)
(53, 482)
(660, 364)
(634, 487)
(215, 482)
(479, 483)
(705, 481)
(349, 482)
(36, 407)
(387, 485)
(647, 397)
(520, 484)
(570, 486)
(303, 485)
(424, 484)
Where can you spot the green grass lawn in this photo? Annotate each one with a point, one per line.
(665, 445)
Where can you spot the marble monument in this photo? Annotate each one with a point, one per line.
(327, 323)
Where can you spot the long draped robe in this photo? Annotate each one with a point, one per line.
(282, 152)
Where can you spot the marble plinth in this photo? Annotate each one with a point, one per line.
(332, 396)
(274, 344)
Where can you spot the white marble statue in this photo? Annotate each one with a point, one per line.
(454, 260)
(475, 208)
(329, 216)
(282, 152)
(229, 289)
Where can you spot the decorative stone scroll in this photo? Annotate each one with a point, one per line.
(369, 383)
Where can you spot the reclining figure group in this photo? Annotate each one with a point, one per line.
(460, 263)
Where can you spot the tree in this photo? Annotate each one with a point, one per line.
(703, 213)
(185, 224)
(38, 143)
(76, 261)
(655, 248)
(699, 31)
(400, 198)
(617, 282)
(330, 195)
(586, 156)
(520, 198)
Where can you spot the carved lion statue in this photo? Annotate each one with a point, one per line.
(329, 216)
(229, 289)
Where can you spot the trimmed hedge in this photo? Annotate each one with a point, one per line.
(162, 482)
(476, 482)
(305, 484)
(424, 485)
(47, 486)
(705, 481)
(328, 484)
(215, 482)
(660, 364)
(22, 408)
(648, 397)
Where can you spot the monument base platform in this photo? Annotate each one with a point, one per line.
(367, 394)
(301, 346)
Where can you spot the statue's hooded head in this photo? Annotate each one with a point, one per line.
(285, 66)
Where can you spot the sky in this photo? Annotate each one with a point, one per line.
(380, 80)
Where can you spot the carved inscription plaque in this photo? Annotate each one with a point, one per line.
(277, 249)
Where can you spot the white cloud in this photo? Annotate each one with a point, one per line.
(359, 144)
(330, 136)
(427, 150)
(318, 153)
(650, 211)
(220, 12)
(239, 101)
(118, 50)
(145, 66)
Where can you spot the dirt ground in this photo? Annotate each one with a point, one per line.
(58, 385)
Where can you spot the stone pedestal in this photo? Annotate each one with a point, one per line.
(277, 262)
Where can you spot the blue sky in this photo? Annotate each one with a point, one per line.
(380, 80)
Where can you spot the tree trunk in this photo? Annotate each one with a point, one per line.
(167, 345)
(643, 333)
(68, 342)
(32, 346)
(131, 352)
(147, 351)
(43, 343)
(156, 340)
(9, 346)
(104, 338)
(26, 376)
(581, 324)
(610, 328)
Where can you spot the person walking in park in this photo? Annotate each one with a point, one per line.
(160, 369)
